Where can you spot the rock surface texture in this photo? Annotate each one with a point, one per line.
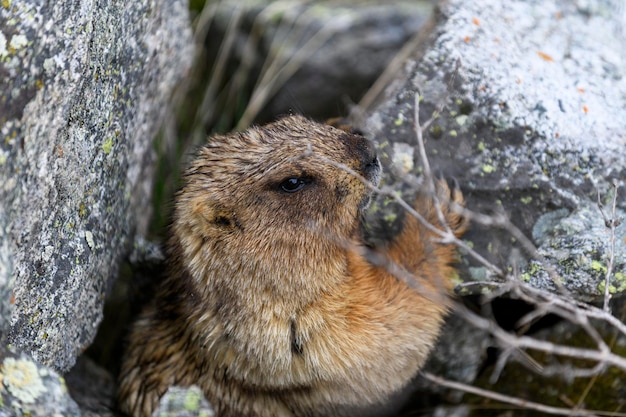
(529, 100)
(83, 88)
(184, 402)
(30, 389)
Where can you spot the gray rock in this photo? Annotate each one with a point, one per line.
(184, 402)
(83, 88)
(571, 242)
(30, 389)
(531, 96)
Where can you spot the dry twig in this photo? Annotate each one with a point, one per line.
(611, 223)
(530, 405)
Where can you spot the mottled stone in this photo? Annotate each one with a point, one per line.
(83, 88)
(30, 389)
(528, 101)
(184, 402)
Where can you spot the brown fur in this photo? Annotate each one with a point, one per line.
(273, 305)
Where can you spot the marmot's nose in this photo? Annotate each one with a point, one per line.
(363, 153)
(360, 150)
(372, 170)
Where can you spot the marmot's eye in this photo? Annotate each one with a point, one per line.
(292, 185)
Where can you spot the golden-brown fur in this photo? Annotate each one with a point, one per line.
(273, 305)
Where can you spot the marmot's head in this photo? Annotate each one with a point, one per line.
(268, 201)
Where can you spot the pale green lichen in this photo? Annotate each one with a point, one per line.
(89, 238)
(526, 200)
(602, 286)
(107, 146)
(488, 168)
(390, 218)
(192, 400)
(49, 65)
(617, 281)
(402, 159)
(403, 162)
(598, 267)
(18, 42)
(460, 120)
(478, 273)
(21, 378)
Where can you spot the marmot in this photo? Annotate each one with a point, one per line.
(273, 304)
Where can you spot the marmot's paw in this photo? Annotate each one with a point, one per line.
(451, 202)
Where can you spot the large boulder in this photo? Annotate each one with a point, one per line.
(83, 88)
(528, 103)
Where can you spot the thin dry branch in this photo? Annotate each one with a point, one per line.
(519, 402)
(602, 355)
(611, 224)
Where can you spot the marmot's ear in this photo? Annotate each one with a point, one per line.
(214, 214)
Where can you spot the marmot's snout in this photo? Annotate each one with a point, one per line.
(364, 151)
(373, 169)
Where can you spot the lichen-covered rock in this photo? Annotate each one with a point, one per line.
(532, 96)
(83, 87)
(30, 389)
(184, 402)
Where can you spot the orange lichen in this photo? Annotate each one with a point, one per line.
(545, 56)
(476, 21)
